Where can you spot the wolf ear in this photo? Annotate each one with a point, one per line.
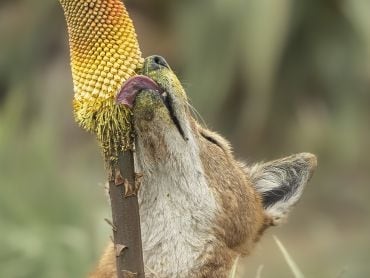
(281, 183)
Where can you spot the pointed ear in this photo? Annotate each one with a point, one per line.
(281, 183)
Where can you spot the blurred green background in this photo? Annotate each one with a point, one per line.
(274, 77)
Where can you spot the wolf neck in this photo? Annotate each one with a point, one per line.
(177, 207)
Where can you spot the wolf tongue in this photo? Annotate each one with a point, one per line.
(133, 86)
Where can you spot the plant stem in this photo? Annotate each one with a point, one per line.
(126, 219)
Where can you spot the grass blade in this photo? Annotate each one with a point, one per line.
(259, 271)
(235, 266)
(292, 265)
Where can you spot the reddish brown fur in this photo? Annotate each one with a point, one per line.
(241, 217)
(240, 222)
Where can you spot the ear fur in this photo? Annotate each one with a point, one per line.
(281, 183)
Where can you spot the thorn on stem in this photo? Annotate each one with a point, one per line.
(110, 223)
(119, 249)
(129, 189)
(128, 274)
(118, 179)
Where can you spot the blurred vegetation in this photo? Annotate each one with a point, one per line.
(275, 77)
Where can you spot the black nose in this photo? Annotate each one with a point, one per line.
(155, 62)
(159, 60)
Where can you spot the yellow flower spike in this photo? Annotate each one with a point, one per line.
(104, 54)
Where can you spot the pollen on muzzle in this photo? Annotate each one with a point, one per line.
(104, 54)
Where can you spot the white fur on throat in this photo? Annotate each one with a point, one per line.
(177, 208)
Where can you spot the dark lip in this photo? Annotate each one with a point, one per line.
(168, 102)
(133, 86)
